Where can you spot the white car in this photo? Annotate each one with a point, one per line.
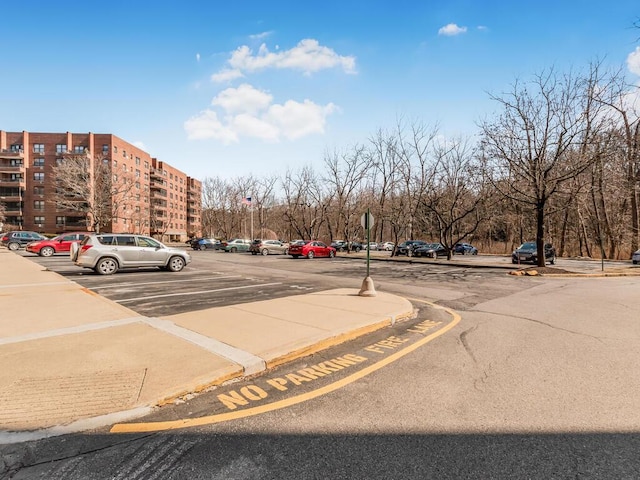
(636, 257)
(388, 246)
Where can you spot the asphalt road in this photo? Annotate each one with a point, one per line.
(539, 379)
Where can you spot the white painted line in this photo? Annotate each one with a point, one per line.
(135, 284)
(196, 293)
(70, 330)
(250, 363)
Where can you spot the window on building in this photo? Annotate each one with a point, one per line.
(137, 209)
(38, 204)
(115, 164)
(137, 160)
(16, 147)
(79, 149)
(137, 173)
(115, 149)
(146, 176)
(124, 153)
(137, 197)
(38, 221)
(105, 149)
(38, 148)
(115, 178)
(59, 161)
(61, 148)
(138, 185)
(38, 162)
(38, 190)
(60, 221)
(146, 165)
(38, 176)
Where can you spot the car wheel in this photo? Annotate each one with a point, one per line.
(310, 254)
(175, 264)
(635, 262)
(13, 246)
(46, 251)
(332, 254)
(264, 251)
(295, 256)
(234, 249)
(107, 266)
(552, 260)
(475, 252)
(201, 247)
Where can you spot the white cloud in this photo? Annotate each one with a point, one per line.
(451, 30)
(226, 75)
(260, 36)
(206, 125)
(244, 99)
(633, 61)
(308, 56)
(300, 119)
(248, 112)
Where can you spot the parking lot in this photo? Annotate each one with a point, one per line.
(216, 278)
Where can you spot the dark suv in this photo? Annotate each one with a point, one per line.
(528, 253)
(15, 240)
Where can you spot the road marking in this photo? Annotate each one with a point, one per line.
(135, 284)
(223, 417)
(195, 293)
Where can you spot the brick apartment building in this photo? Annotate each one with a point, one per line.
(162, 201)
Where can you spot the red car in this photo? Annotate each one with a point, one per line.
(311, 249)
(60, 244)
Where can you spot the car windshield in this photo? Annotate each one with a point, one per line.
(527, 246)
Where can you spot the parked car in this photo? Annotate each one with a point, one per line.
(342, 246)
(388, 246)
(311, 249)
(109, 252)
(266, 247)
(528, 253)
(201, 243)
(15, 240)
(406, 248)
(465, 249)
(431, 250)
(60, 244)
(373, 245)
(236, 245)
(635, 258)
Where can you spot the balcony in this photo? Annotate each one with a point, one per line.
(162, 194)
(12, 182)
(11, 154)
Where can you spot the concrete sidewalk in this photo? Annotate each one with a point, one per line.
(73, 360)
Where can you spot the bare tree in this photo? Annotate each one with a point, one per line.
(345, 176)
(87, 185)
(527, 145)
(455, 192)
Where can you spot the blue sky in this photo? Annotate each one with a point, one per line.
(253, 87)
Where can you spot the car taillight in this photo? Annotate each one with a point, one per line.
(86, 247)
(5, 238)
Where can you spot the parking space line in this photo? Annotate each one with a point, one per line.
(135, 284)
(196, 293)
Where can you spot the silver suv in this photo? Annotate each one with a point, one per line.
(106, 253)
